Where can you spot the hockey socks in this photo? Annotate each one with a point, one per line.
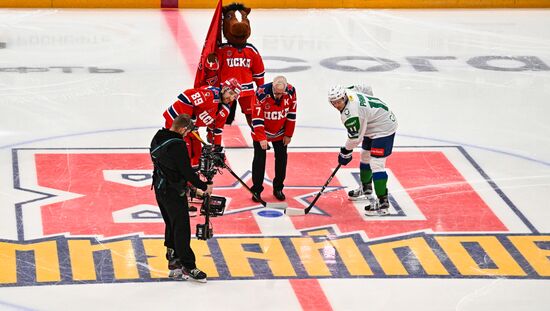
(366, 175)
(380, 183)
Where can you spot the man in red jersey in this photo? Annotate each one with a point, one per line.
(208, 107)
(273, 119)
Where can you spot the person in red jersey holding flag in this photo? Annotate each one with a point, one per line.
(274, 120)
(235, 59)
(208, 107)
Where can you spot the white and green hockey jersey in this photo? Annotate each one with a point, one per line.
(366, 115)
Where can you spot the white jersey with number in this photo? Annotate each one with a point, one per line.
(368, 116)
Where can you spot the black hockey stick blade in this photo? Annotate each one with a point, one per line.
(298, 211)
(264, 203)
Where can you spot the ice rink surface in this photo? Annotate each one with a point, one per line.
(83, 91)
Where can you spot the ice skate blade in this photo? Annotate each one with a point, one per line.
(189, 278)
(377, 213)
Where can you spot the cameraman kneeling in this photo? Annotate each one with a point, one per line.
(172, 171)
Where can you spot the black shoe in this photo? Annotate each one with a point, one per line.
(279, 195)
(194, 274)
(257, 197)
(174, 264)
(175, 269)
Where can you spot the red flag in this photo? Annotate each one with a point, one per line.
(204, 75)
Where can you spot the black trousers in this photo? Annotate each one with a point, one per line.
(177, 234)
(258, 166)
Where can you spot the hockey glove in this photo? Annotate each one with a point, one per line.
(345, 156)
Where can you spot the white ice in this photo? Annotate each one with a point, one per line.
(499, 117)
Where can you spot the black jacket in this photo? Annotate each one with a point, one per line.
(173, 159)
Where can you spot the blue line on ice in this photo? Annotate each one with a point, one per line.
(515, 155)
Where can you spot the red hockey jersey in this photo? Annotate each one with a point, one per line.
(273, 119)
(244, 64)
(205, 107)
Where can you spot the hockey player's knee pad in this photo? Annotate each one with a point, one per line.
(365, 156)
(378, 164)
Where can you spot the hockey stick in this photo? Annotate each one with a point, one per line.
(298, 211)
(264, 203)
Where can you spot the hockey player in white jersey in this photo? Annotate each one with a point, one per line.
(370, 122)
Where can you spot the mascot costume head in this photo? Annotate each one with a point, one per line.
(238, 58)
(236, 26)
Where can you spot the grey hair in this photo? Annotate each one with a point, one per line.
(280, 80)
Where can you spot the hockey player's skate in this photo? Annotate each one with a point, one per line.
(364, 192)
(194, 274)
(380, 208)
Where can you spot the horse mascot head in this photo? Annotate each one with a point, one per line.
(236, 26)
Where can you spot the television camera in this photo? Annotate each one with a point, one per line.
(211, 162)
